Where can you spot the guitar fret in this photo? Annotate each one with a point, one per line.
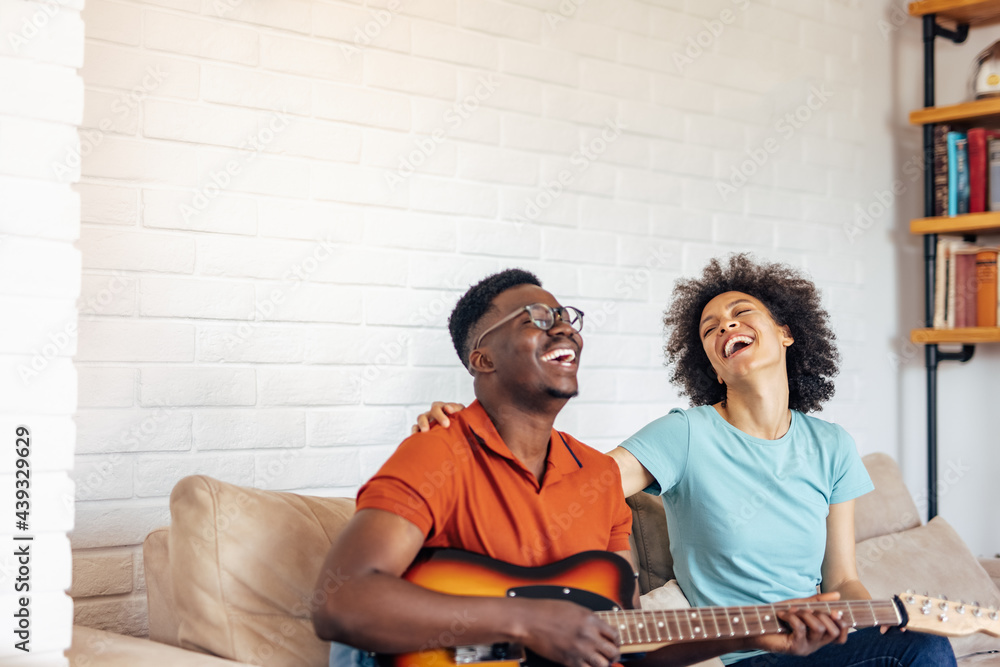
(760, 621)
(644, 627)
(729, 622)
(718, 628)
(871, 608)
(623, 625)
(657, 619)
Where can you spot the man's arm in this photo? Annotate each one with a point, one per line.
(362, 600)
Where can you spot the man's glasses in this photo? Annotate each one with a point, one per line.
(542, 316)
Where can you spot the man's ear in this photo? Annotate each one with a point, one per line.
(787, 338)
(480, 362)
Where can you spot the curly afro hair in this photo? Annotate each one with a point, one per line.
(478, 301)
(793, 301)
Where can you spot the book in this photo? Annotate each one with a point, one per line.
(961, 182)
(953, 138)
(950, 305)
(944, 248)
(965, 287)
(941, 169)
(993, 146)
(978, 166)
(986, 287)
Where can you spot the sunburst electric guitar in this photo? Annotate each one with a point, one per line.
(603, 582)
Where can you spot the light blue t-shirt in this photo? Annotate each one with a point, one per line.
(746, 517)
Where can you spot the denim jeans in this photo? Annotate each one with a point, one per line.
(868, 648)
(342, 655)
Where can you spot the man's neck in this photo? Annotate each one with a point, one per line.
(526, 433)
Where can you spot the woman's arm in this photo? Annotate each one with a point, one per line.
(840, 568)
(635, 477)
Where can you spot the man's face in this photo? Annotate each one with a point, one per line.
(524, 357)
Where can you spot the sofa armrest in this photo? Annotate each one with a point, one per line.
(163, 619)
(992, 567)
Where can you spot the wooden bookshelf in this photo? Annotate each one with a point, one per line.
(970, 223)
(973, 12)
(985, 109)
(968, 336)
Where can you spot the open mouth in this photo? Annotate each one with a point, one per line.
(735, 344)
(563, 356)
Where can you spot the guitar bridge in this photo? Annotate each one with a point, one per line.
(475, 653)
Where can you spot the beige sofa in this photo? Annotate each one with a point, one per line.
(233, 575)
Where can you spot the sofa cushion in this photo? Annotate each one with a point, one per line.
(931, 559)
(650, 542)
(887, 509)
(244, 563)
(92, 647)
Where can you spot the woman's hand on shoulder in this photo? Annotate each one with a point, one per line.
(438, 413)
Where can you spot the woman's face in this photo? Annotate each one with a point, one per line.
(739, 336)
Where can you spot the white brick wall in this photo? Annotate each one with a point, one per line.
(41, 49)
(282, 201)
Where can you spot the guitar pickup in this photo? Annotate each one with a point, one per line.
(476, 653)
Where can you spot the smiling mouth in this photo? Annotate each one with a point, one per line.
(563, 356)
(735, 344)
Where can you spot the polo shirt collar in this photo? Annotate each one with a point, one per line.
(560, 461)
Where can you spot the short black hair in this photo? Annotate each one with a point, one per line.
(478, 301)
(793, 301)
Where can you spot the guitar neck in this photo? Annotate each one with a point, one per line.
(640, 629)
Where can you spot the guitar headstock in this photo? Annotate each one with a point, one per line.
(940, 616)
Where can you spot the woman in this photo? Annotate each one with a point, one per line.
(759, 496)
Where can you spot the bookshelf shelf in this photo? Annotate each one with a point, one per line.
(985, 109)
(968, 336)
(971, 223)
(973, 12)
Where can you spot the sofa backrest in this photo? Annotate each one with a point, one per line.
(243, 564)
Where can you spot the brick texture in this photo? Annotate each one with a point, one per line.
(281, 202)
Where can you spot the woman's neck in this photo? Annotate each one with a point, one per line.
(759, 412)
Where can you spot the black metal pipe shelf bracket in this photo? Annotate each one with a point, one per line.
(932, 355)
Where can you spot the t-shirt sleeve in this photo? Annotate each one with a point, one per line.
(850, 477)
(622, 522)
(662, 448)
(417, 483)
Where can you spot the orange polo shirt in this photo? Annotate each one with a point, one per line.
(464, 489)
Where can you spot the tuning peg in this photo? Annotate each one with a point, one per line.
(943, 597)
(978, 611)
(942, 606)
(910, 599)
(909, 591)
(960, 608)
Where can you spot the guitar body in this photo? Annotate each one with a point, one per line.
(599, 580)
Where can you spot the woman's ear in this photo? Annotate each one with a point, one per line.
(787, 338)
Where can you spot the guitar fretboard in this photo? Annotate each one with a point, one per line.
(675, 625)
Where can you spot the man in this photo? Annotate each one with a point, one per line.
(496, 482)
